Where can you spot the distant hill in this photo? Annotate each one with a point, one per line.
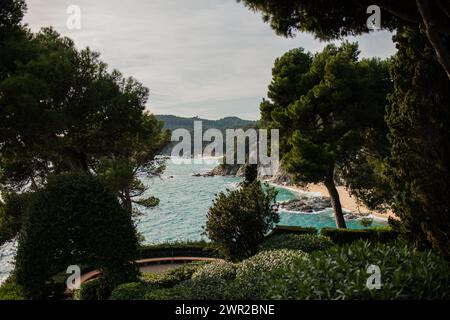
(174, 122)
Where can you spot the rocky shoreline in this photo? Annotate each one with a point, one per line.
(307, 204)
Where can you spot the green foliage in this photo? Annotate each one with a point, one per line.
(330, 107)
(130, 291)
(341, 273)
(338, 272)
(419, 122)
(279, 229)
(153, 283)
(195, 248)
(208, 282)
(12, 208)
(365, 222)
(176, 275)
(96, 289)
(62, 110)
(305, 243)
(10, 290)
(74, 220)
(238, 220)
(250, 280)
(344, 236)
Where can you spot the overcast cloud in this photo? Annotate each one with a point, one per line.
(211, 58)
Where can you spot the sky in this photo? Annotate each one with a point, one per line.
(206, 58)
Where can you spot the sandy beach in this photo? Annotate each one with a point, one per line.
(348, 201)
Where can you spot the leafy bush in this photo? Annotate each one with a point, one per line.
(130, 291)
(341, 273)
(239, 220)
(366, 222)
(176, 275)
(197, 248)
(333, 273)
(216, 270)
(292, 230)
(151, 282)
(10, 290)
(250, 280)
(303, 242)
(225, 280)
(345, 236)
(96, 289)
(74, 220)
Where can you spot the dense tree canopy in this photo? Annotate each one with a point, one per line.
(419, 122)
(74, 220)
(62, 110)
(331, 19)
(330, 107)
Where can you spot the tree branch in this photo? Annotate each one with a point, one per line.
(441, 50)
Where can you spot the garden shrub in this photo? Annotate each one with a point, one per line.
(194, 248)
(278, 230)
(251, 273)
(216, 270)
(10, 290)
(341, 273)
(74, 220)
(239, 220)
(333, 273)
(96, 289)
(176, 275)
(130, 291)
(225, 280)
(345, 236)
(303, 242)
(154, 282)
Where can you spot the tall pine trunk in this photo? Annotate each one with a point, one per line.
(336, 203)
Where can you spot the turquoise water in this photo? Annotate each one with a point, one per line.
(184, 203)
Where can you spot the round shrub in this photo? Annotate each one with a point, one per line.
(74, 220)
(130, 291)
(250, 282)
(303, 242)
(341, 273)
(239, 220)
(216, 270)
(96, 289)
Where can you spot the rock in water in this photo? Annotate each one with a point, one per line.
(307, 204)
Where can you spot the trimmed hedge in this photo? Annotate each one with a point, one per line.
(346, 236)
(303, 242)
(96, 289)
(198, 249)
(291, 230)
